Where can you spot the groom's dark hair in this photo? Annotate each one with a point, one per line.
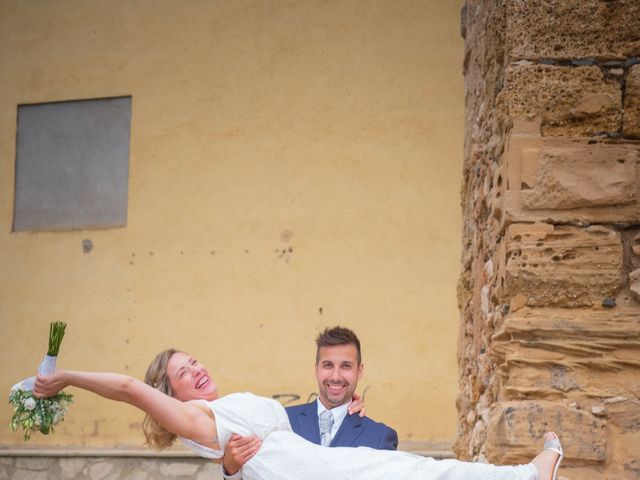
(337, 336)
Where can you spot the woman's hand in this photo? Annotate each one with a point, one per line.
(357, 406)
(50, 385)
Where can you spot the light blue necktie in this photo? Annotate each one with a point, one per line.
(326, 424)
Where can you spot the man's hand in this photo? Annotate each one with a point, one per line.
(357, 406)
(239, 451)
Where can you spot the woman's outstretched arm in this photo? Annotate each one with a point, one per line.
(184, 419)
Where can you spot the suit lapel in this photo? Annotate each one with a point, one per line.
(350, 429)
(308, 423)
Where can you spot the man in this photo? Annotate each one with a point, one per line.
(325, 421)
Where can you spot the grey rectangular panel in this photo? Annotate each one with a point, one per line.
(72, 164)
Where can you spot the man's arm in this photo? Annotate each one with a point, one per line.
(389, 440)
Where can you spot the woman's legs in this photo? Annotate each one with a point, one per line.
(545, 462)
(542, 467)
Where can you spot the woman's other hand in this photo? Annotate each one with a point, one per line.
(357, 406)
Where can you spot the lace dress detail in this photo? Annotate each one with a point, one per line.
(287, 456)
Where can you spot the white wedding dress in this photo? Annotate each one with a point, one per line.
(287, 456)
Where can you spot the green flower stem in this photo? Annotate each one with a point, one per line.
(56, 334)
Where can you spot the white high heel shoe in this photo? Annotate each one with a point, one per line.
(554, 445)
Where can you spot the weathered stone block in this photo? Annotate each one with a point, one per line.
(138, 475)
(210, 471)
(631, 121)
(569, 353)
(569, 29)
(557, 179)
(559, 266)
(34, 463)
(516, 430)
(569, 174)
(30, 475)
(623, 423)
(625, 414)
(179, 469)
(71, 467)
(100, 470)
(150, 465)
(634, 282)
(569, 100)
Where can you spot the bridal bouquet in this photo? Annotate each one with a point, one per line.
(40, 414)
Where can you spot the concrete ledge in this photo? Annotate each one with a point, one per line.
(418, 448)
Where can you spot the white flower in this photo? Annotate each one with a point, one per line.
(29, 403)
(18, 388)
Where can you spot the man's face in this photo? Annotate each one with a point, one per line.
(337, 372)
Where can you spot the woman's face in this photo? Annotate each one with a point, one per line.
(189, 379)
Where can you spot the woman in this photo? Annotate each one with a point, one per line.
(180, 399)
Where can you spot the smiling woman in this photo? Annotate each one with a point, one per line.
(190, 379)
(178, 375)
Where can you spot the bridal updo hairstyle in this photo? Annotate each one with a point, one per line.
(157, 436)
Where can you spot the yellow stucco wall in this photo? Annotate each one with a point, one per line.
(331, 128)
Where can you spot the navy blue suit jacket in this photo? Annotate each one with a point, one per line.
(354, 431)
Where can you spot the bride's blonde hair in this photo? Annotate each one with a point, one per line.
(157, 436)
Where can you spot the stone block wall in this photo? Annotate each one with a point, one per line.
(107, 468)
(549, 290)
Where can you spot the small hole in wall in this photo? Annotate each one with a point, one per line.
(516, 253)
(621, 160)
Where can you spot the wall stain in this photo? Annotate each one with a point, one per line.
(285, 254)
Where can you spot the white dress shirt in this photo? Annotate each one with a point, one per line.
(339, 413)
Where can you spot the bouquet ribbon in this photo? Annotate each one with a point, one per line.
(47, 367)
